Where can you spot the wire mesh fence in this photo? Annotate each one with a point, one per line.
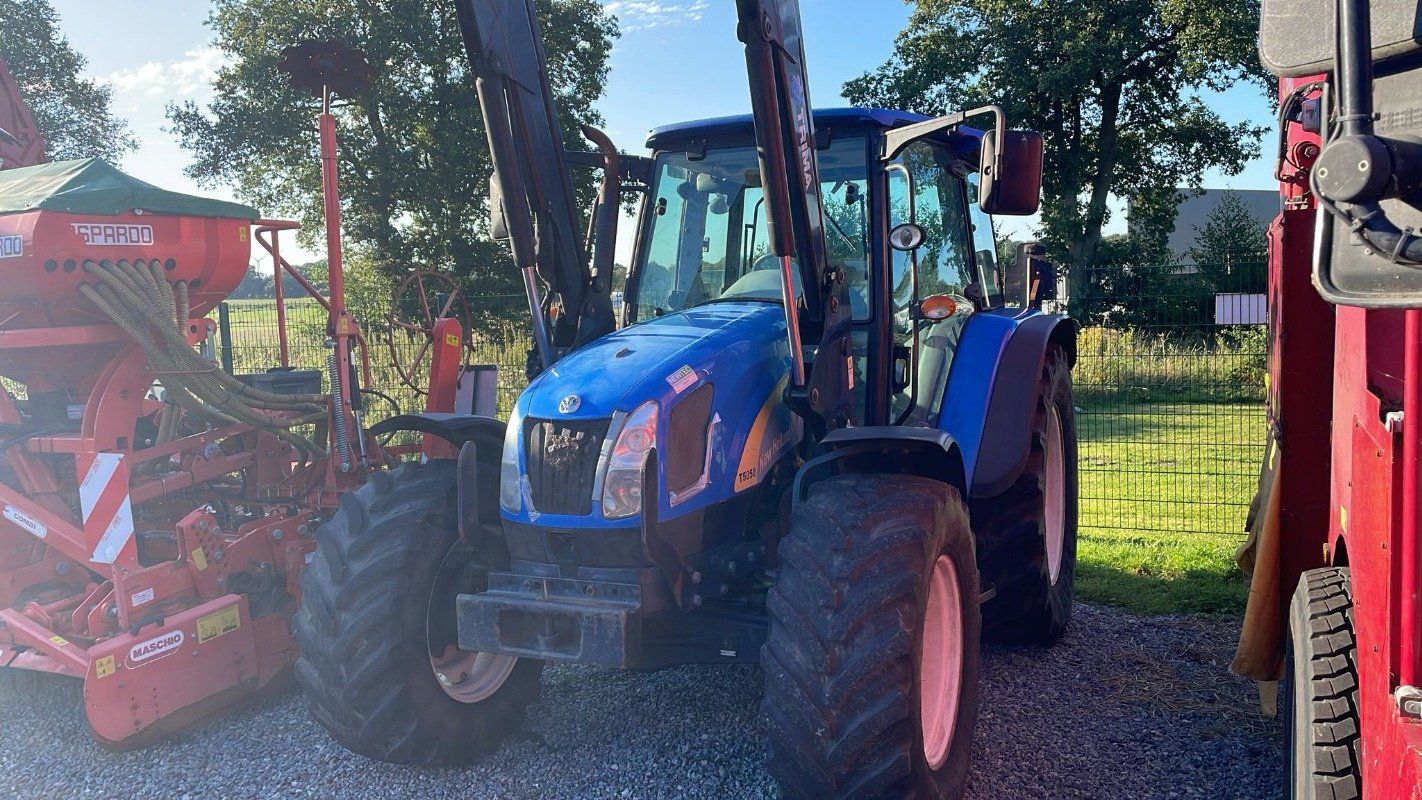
(1170, 385)
(1169, 382)
(499, 334)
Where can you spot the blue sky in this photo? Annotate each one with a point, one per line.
(676, 60)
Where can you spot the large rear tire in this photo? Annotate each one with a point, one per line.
(1029, 531)
(1322, 689)
(872, 659)
(376, 628)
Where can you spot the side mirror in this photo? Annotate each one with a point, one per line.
(1011, 169)
(498, 223)
(907, 237)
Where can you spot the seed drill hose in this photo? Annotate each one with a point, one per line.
(139, 299)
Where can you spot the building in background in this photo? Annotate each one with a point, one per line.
(1194, 212)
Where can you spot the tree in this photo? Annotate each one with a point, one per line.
(72, 113)
(413, 158)
(1231, 248)
(1112, 85)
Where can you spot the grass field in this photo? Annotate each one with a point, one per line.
(1164, 486)
(1165, 490)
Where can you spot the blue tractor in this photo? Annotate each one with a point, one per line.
(832, 436)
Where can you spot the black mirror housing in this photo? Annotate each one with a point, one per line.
(1011, 168)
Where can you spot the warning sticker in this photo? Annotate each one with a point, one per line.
(451, 340)
(682, 379)
(104, 667)
(218, 623)
(199, 559)
(26, 521)
(59, 640)
(139, 598)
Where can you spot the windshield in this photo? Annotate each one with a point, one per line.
(708, 239)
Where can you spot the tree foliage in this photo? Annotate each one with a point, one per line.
(1112, 85)
(72, 113)
(413, 158)
(1231, 248)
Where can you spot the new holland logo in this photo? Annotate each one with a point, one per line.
(570, 404)
(156, 647)
(94, 233)
(12, 246)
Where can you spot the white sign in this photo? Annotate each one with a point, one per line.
(1241, 309)
(26, 521)
(155, 647)
(145, 596)
(96, 233)
(12, 246)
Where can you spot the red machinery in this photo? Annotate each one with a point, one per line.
(1336, 600)
(154, 510)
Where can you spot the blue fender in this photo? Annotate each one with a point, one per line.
(1007, 426)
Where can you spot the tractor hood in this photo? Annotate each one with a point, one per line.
(660, 360)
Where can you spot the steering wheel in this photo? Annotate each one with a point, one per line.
(423, 298)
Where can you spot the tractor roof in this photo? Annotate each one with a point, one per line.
(741, 126)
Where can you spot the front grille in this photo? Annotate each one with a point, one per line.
(562, 463)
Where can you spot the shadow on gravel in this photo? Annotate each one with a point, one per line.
(1126, 707)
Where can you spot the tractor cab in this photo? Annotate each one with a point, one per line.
(704, 240)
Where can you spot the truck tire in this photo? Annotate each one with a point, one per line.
(377, 616)
(1029, 531)
(1322, 689)
(871, 661)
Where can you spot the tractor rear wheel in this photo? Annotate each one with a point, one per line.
(871, 662)
(377, 628)
(1029, 531)
(1322, 689)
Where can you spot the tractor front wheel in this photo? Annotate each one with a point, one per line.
(377, 631)
(872, 658)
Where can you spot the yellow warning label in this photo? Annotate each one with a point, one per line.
(104, 667)
(451, 340)
(218, 623)
(242, 234)
(199, 559)
(59, 640)
(1343, 518)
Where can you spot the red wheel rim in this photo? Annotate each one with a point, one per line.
(1055, 463)
(940, 669)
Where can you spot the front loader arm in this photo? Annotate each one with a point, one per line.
(820, 391)
(533, 184)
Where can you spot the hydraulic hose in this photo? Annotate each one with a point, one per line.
(140, 300)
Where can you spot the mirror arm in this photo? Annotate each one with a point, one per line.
(899, 138)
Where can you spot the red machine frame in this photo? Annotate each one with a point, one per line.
(1363, 511)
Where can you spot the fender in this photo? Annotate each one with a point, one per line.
(453, 428)
(1013, 397)
(926, 452)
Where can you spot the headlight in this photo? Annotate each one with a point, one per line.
(622, 479)
(510, 482)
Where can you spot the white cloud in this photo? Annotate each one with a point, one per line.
(182, 78)
(635, 15)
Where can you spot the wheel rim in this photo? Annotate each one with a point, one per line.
(940, 670)
(1055, 465)
(465, 675)
(471, 677)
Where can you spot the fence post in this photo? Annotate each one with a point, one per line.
(224, 333)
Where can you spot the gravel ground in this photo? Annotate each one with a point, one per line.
(1125, 707)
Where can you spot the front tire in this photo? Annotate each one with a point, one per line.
(376, 628)
(1322, 689)
(872, 658)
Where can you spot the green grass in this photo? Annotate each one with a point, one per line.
(1164, 494)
